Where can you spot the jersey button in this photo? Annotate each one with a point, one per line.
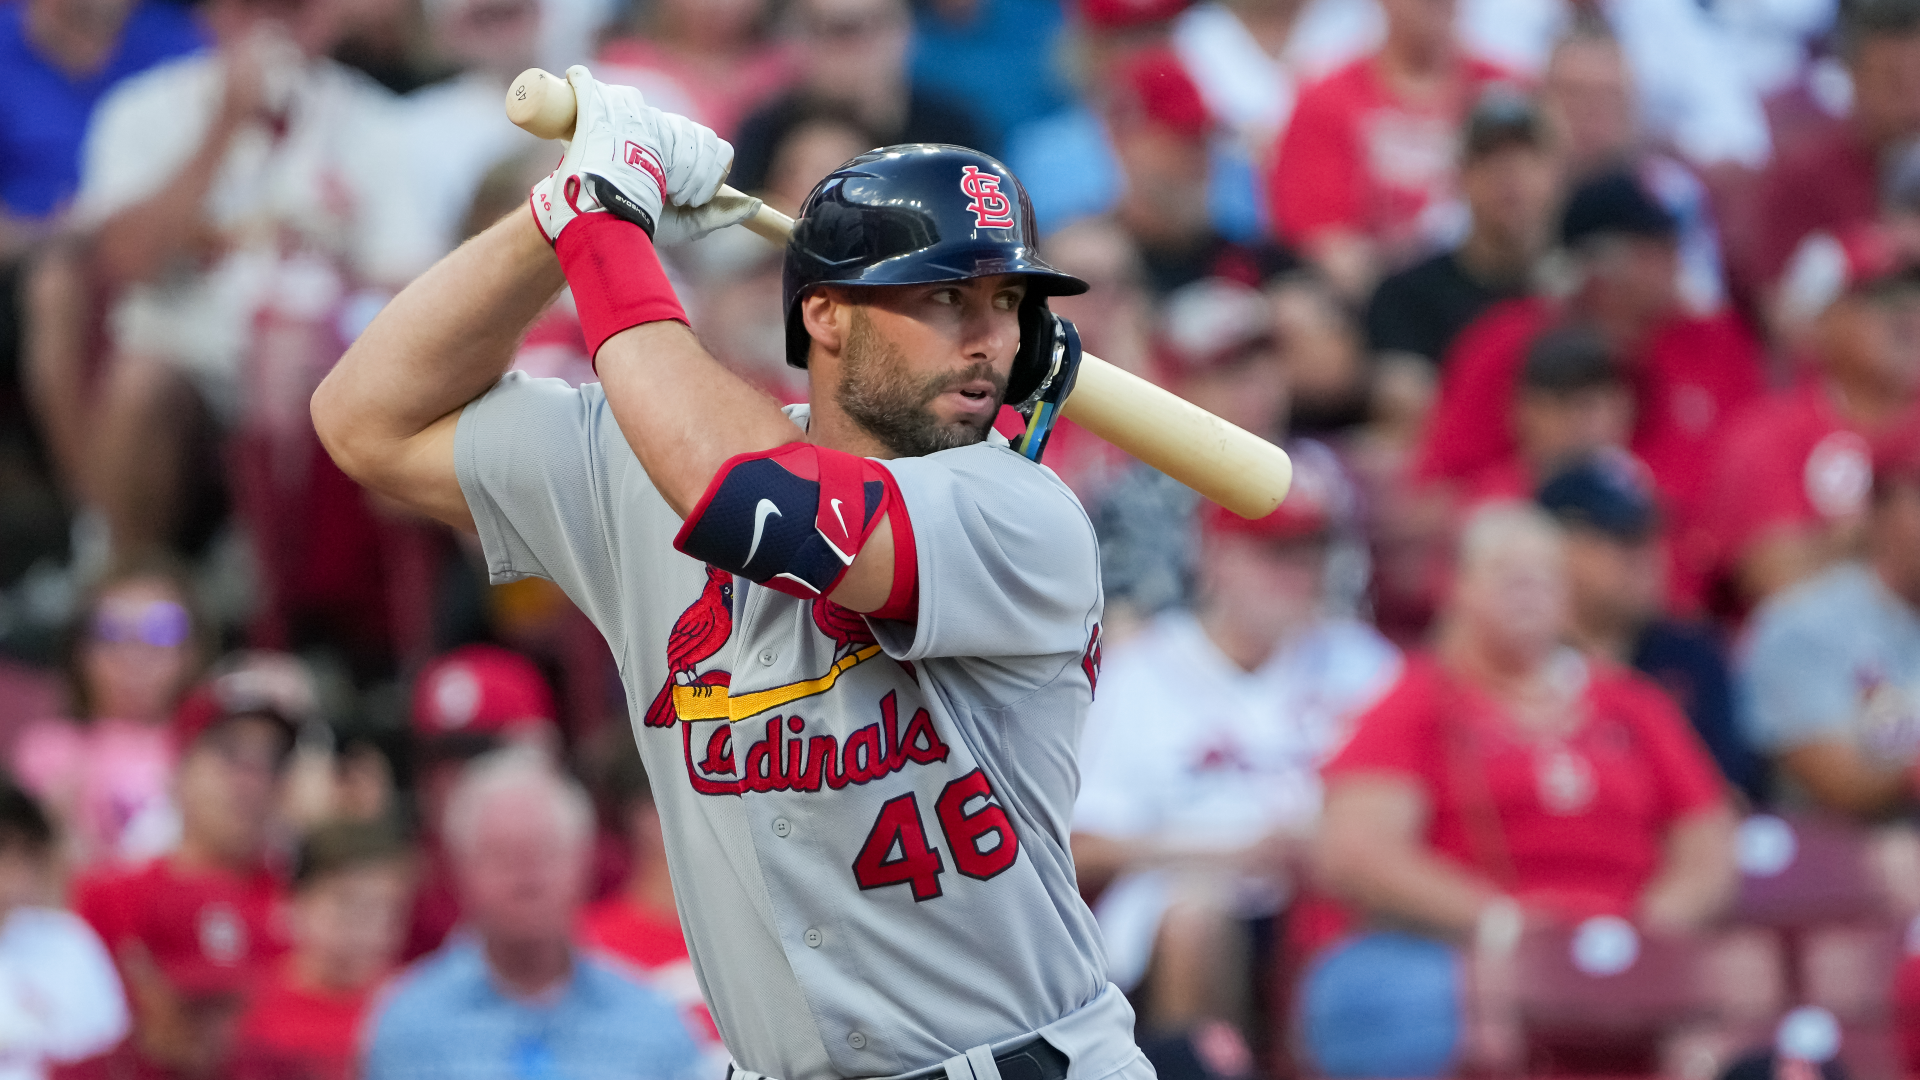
(767, 657)
(857, 1041)
(812, 938)
(782, 827)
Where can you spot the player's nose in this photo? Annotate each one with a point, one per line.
(990, 334)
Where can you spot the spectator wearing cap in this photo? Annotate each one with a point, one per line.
(466, 703)
(513, 996)
(1574, 400)
(195, 930)
(1159, 128)
(133, 648)
(1069, 162)
(1589, 95)
(1789, 488)
(1616, 572)
(640, 923)
(1505, 780)
(1831, 181)
(854, 54)
(1507, 175)
(1199, 793)
(1831, 666)
(1617, 267)
(1218, 349)
(60, 1000)
(1362, 183)
(347, 920)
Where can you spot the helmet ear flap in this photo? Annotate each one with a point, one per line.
(1035, 356)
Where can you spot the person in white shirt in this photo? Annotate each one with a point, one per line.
(1199, 786)
(60, 999)
(249, 207)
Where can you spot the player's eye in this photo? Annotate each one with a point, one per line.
(946, 296)
(1009, 300)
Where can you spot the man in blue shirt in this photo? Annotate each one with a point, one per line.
(57, 58)
(510, 996)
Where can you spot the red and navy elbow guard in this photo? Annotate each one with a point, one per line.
(794, 518)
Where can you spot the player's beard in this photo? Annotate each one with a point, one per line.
(881, 396)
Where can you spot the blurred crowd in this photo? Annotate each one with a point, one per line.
(1565, 719)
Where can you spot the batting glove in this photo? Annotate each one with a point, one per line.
(655, 169)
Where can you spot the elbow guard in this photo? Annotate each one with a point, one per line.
(793, 518)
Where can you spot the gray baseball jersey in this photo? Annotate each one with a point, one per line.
(866, 822)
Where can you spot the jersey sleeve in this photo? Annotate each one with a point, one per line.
(545, 471)
(1005, 556)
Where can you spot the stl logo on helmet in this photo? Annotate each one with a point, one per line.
(991, 209)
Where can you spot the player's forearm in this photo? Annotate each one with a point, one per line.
(682, 412)
(443, 341)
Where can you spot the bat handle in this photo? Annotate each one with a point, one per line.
(541, 103)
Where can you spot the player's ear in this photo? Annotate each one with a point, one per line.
(827, 314)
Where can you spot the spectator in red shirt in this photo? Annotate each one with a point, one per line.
(1789, 490)
(351, 886)
(1504, 780)
(193, 931)
(469, 702)
(1160, 126)
(1362, 180)
(1573, 401)
(1688, 374)
(1832, 180)
(640, 924)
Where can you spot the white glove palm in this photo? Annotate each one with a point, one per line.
(655, 169)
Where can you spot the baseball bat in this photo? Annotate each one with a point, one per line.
(1224, 463)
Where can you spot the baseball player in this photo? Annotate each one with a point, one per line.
(858, 639)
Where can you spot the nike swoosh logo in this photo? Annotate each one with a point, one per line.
(761, 512)
(836, 515)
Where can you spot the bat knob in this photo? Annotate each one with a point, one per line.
(541, 104)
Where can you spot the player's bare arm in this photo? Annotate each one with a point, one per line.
(387, 411)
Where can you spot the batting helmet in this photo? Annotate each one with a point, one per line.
(916, 214)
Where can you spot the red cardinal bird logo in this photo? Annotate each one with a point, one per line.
(697, 634)
(847, 628)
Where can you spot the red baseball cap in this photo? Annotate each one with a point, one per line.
(1153, 87)
(480, 690)
(269, 685)
(1212, 322)
(1125, 14)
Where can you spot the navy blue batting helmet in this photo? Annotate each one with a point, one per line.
(916, 214)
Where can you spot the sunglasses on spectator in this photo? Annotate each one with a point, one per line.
(162, 624)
